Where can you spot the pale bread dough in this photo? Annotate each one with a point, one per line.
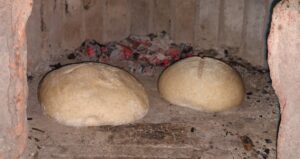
(92, 94)
(203, 84)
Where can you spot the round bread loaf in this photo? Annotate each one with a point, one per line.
(203, 84)
(92, 94)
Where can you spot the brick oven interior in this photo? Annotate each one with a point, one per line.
(233, 31)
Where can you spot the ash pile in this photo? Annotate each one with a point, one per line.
(145, 54)
(137, 53)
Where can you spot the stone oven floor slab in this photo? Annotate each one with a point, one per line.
(167, 131)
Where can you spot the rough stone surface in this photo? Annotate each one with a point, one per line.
(284, 46)
(183, 20)
(13, 81)
(117, 19)
(254, 30)
(140, 17)
(207, 24)
(232, 28)
(162, 15)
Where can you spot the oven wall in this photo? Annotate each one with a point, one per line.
(13, 83)
(240, 25)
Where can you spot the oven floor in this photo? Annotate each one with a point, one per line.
(167, 131)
